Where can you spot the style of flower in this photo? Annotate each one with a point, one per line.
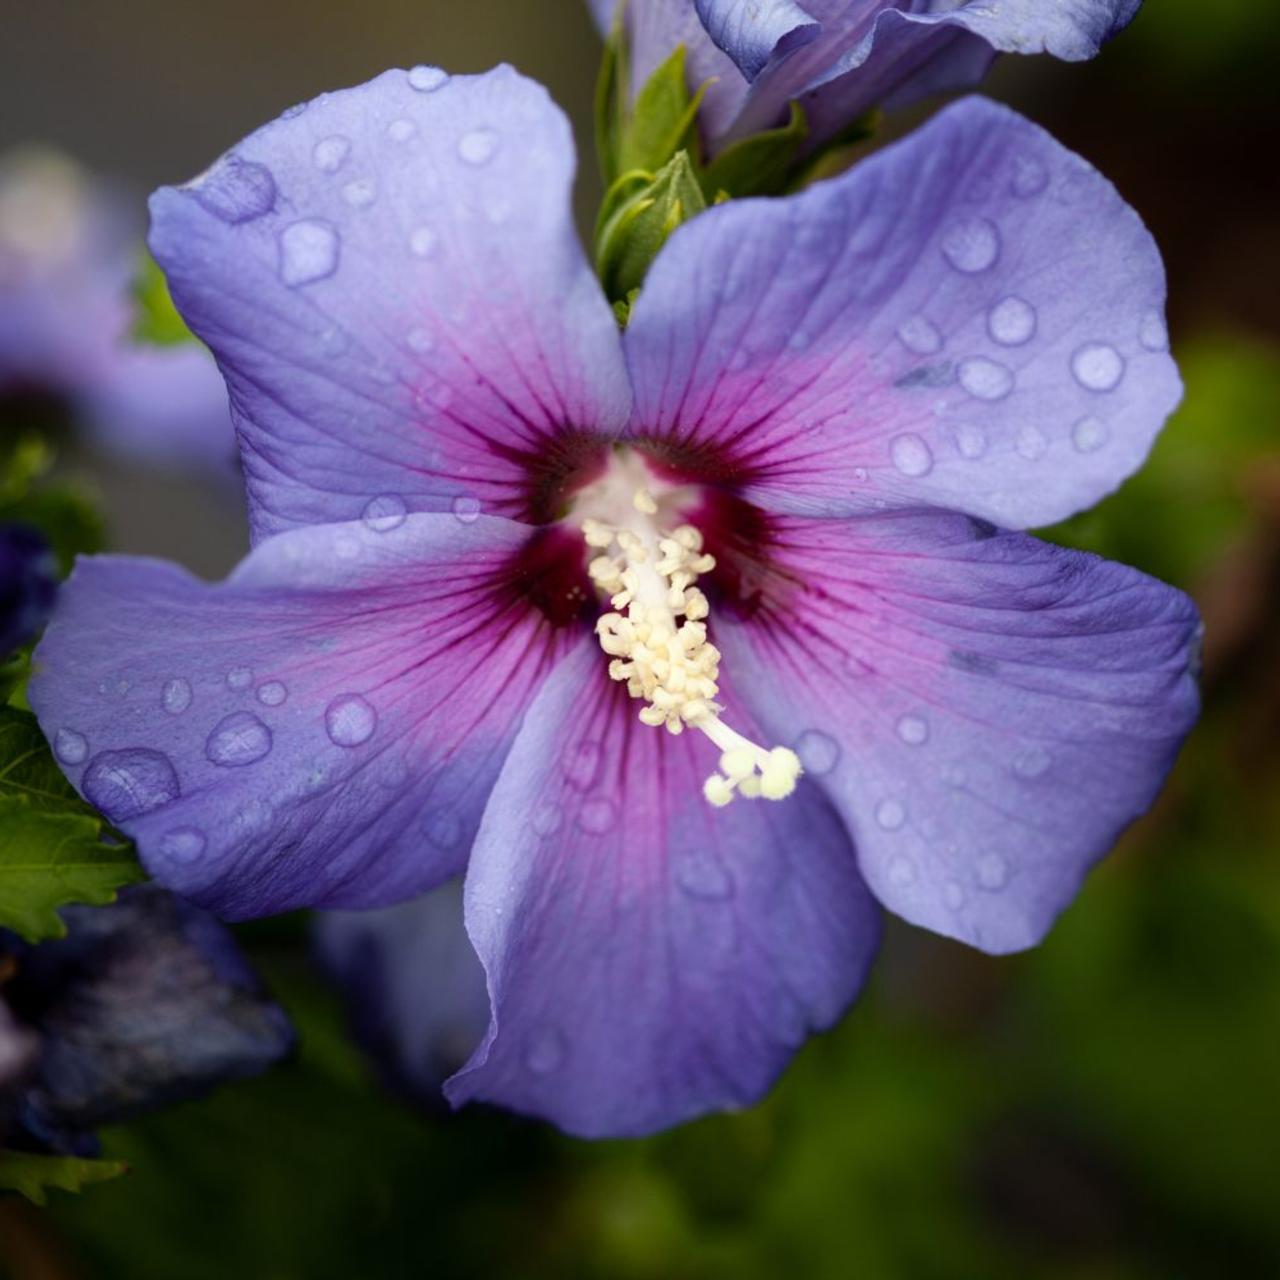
(840, 58)
(68, 252)
(784, 503)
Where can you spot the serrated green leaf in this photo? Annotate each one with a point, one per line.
(156, 319)
(642, 221)
(28, 769)
(33, 1175)
(761, 164)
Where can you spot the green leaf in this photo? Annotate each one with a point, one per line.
(640, 220)
(761, 164)
(662, 121)
(32, 1175)
(611, 101)
(69, 521)
(52, 846)
(156, 320)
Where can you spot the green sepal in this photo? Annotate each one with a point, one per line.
(641, 219)
(611, 100)
(33, 1175)
(663, 120)
(54, 848)
(156, 320)
(761, 164)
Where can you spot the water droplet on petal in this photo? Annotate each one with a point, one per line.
(902, 871)
(985, 379)
(478, 146)
(548, 819)
(183, 844)
(911, 455)
(401, 130)
(1032, 762)
(972, 246)
(913, 730)
(1030, 177)
(466, 508)
(239, 678)
(235, 190)
(581, 764)
(819, 752)
(349, 720)
(597, 815)
(176, 695)
(1089, 435)
(384, 513)
(890, 814)
(422, 242)
(444, 830)
(1098, 367)
(544, 1051)
(272, 694)
(428, 79)
(69, 746)
(127, 784)
(1012, 322)
(308, 252)
(1152, 332)
(329, 153)
(992, 871)
(360, 193)
(1031, 443)
(971, 442)
(920, 336)
(700, 875)
(237, 740)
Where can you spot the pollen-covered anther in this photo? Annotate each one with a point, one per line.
(656, 637)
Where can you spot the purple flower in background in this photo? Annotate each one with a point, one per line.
(415, 991)
(840, 58)
(781, 502)
(144, 1003)
(28, 581)
(69, 250)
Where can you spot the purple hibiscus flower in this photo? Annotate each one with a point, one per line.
(28, 578)
(840, 58)
(68, 253)
(784, 503)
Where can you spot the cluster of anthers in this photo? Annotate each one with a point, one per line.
(657, 642)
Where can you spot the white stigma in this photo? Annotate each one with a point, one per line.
(657, 642)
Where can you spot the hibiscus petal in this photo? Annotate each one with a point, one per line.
(390, 315)
(988, 712)
(971, 319)
(321, 729)
(649, 958)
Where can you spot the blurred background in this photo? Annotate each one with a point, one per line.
(1106, 1106)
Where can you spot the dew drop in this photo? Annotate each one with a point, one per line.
(911, 455)
(329, 153)
(913, 730)
(235, 190)
(1089, 435)
(70, 747)
(920, 336)
(544, 1050)
(992, 871)
(384, 513)
(1031, 443)
(890, 814)
(349, 720)
(1034, 762)
(308, 252)
(183, 844)
(237, 740)
(972, 246)
(466, 508)
(1012, 322)
(401, 130)
(1098, 366)
(126, 784)
(1030, 177)
(428, 79)
(971, 442)
(176, 695)
(860, 474)
(360, 193)
(478, 146)
(1152, 332)
(422, 243)
(597, 815)
(902, 871)
(272, 694)
(444, 830)
(701, 876)
(239, 678)
(819, 752)
(581, 765)
(547, 820)
(985, 379)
